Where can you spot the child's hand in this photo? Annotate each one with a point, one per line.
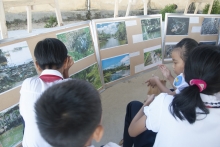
(149, 99)
(165, 71)
(69, 63)
(152, 81)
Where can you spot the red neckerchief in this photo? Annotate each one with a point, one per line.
(50, 78)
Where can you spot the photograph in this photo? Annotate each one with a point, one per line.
(151, 28)
(210, 26)
(207, 43)
(152, 57)
(11, 127)
(218, 42)
(78, 42)
(168, 50)
(116, 67)
(177, 26)
(90, 74)
(16, 64)
(111, 34)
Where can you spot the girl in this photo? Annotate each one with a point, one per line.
(190, 118)
(179, 57)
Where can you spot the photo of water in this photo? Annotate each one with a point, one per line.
(115, 68)
(16, 64)
(78, 42)
(151, 28)
(111, 34)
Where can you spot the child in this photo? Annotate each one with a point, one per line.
(53, 64)
(69, 115)
(190, 118)
(179, 55)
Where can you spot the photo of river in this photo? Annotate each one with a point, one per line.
(111, 34)
(115, 68)
(152, 57)
(78, 42)
(11, 128)
(16, 64)
(151, 28)
(90, 74)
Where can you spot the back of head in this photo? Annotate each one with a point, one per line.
(204, 64)
(50, 52)
(185, 47)
(68, 113)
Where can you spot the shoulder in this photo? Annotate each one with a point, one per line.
(29, 83)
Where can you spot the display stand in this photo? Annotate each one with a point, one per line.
(198, 3)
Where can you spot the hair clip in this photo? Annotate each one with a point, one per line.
(200, 83)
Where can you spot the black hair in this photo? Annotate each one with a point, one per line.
(185, 47)
(50, 52)
(68, 113)
(203, 63)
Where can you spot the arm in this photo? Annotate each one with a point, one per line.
(156, 81)
(69, 62)
(138, 124)
(166, 73)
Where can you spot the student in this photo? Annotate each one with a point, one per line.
(179, 55)
(69, 115)
(190, 118)
(53, 65)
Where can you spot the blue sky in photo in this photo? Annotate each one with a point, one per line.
(115, 61)
(108, 28)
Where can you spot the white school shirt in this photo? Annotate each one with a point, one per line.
(180, 83)
(173, 132)
(31, 90)
(110, 144)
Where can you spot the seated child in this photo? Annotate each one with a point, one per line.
(53, 64)
(69, 115)
(179, 55)
(190, 118)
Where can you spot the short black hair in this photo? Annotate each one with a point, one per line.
(50, 52)
(204, 64)
(185, 47)
(68, 113)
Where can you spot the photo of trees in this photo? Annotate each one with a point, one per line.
(111, 34)
(79, 43)
(210, 26)
(90, 74)
(151, 28)
(168, 51)
(177, 26)
(11, 128)
(16, 64)
(115, 68)
(152, 57)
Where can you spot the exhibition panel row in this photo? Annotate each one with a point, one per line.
(105, 51)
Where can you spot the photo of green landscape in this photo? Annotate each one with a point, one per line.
(79, 43)
(11, 128)
(90, 74)
(111, 34)
(152, 57)
(116, 67)
(151, 28)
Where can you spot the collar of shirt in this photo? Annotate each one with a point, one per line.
(50, 75)
(211, 101)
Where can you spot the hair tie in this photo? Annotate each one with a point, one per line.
(200, 83)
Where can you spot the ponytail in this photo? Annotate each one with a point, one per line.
(184, 104)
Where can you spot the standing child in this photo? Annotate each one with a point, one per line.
(190, 118)
(179, 55)
(53, 64)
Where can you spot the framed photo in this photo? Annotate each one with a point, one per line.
(168, 48)
(210, 26)
(207, 42)
(177, 26)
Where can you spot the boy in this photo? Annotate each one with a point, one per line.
(53, 65)
(69, 115)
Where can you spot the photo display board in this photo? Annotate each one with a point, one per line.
(127, 45)
(201, 27)
(17, 59)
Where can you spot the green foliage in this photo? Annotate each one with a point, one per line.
(215, 8)
(52, 22)
(168, 9)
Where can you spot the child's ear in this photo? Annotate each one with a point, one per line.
(98, 133)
